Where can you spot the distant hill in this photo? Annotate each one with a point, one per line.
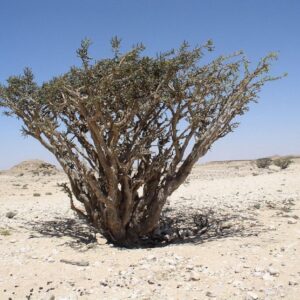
(34, 167)
(213, 162)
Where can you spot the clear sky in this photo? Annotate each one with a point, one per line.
(45, 34)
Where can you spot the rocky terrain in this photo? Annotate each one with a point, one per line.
(235, 235)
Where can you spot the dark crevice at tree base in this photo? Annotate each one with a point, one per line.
(127, 130)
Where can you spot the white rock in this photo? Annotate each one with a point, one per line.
(257, 274)
(100, 239)
(151, 258)
(282, 295)
(267, 277)
(251, 296)
(194, 276)
(50, 259)
(273, 271)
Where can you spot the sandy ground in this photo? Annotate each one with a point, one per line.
(251, 250)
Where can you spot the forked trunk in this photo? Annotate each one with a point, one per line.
(142, 222)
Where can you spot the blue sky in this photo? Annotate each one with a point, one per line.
(45, 34)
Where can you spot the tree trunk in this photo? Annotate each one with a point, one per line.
(138, 225)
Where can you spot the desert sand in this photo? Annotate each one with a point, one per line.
(249, 248)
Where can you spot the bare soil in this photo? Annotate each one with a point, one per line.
(248, 249)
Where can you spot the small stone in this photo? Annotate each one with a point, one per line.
(282, 295)
(167, 237)
(190, 267)
(151, 281)
(267, 277)
(273, 271)
(227, 225)
(251, 296)
(100, 239)
(181, 233)
(151, 258)
(103, 283)
(50, 259)
(293, 283)
(75, 263)
(292, 222)
(210, 295)
(257, 274)
(10, 214)
(194, 277)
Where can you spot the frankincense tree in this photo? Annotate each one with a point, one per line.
(127, 130)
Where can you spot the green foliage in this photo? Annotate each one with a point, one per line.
(4, 232)
(82, 52)
(282, 162)
(263, 163)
